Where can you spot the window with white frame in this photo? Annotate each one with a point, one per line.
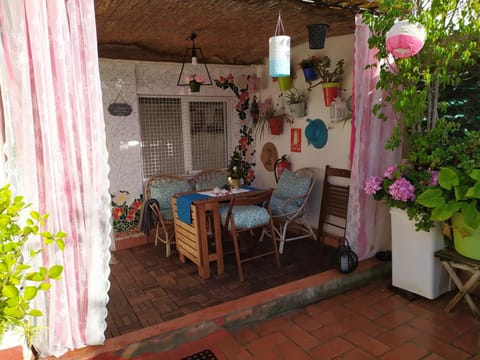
(181, 136)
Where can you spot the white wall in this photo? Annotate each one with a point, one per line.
(134, 79)
(150, 78)
(336, 151)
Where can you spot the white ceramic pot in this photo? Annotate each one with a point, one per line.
(414, 266)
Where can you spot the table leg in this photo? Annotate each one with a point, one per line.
(218, 240)
(204, 267)
(463, 289)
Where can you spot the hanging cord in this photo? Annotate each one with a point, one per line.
(279, 26)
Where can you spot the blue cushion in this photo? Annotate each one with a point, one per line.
(164, 191)
(246, 217)
(218, 181)
(276, 206)
(290, 185)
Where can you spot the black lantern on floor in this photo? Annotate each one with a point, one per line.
(194, 72)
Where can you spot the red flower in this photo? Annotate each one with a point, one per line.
(243, 142)
(137, 204)
(131, 215)
(117, 213)
(230, 78)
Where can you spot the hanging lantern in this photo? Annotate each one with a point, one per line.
(279, 52)
(254, 110)
(405, 39)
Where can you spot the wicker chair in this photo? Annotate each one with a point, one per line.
(288, 206)
(208, 179)
(162, 188)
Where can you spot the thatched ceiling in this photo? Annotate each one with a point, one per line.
(229, 31)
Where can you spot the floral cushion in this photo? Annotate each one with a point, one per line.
(218, 181)
(276, 206)
(290, 185)
(246, 217)
(164, 191)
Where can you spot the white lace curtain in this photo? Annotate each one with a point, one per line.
(53, 136)
(368, 228)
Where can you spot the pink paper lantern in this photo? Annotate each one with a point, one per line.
(405, 39)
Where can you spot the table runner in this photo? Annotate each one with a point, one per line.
(183, 206)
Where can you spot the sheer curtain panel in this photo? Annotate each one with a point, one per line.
(368, 227)
(54, 144)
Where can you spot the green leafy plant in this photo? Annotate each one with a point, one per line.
(19, 281)
(237, 167)
(415, 85)
(294, 96)
(325, 72)
(309, 62)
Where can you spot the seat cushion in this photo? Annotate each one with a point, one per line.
(246, 217)
(290, 185)
(276, 206)
(218, 181)
(164, 191)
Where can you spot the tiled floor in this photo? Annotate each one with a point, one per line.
(370, 322)
(147, 288)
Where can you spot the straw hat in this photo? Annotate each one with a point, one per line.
(269, 156)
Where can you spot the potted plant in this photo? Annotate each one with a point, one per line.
(296, 101)
(195, 81)
(309, 67)
(271, 116)
(330, 78)
(424, 89)
(237, 170)
(20, 282)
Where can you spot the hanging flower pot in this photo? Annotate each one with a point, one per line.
(279, 52)
(316, 35)
(194, 86)
(310, 74)
(405, 39)
(284, 82)
(330, 92)
(276, 125)
(297, 109)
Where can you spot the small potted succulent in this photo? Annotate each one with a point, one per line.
(296, 101)
(20, 282)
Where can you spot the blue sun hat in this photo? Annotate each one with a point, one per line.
(316, 133)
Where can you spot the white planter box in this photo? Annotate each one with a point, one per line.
(414, 267)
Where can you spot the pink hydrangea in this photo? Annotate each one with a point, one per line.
(389, 172)
(372, 185)
(402, 190)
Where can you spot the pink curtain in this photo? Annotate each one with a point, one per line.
(368, 228)
(54, 141)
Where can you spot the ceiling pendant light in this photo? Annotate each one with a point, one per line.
(194, 72)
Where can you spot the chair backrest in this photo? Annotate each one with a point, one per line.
(335, 193)
(208, 179)
(163, 187)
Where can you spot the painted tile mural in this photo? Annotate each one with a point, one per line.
(126, 214)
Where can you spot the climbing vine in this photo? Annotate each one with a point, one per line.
(245, 144)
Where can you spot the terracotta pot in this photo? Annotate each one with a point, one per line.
(276, 125)
(330, 92)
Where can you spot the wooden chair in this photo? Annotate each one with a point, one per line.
(162, 188)
(334, 208)
(246, 212)
(288, 206)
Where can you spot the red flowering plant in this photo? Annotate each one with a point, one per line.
(400, 186)
(199, 78)
(125, 213)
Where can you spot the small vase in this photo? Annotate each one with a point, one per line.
(310, 74)
(194, 86)
(233, 183)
